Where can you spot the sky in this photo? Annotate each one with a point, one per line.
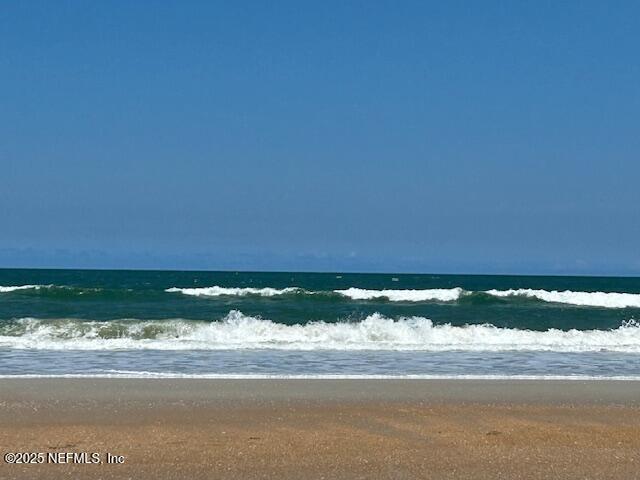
(468, 137)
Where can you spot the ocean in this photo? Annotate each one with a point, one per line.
(261, 325)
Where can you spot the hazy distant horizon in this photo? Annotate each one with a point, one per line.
(71, 260)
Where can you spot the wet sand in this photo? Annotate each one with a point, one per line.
(342, 429)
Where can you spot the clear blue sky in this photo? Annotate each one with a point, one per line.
(398, 136)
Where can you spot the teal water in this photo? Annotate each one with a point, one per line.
(57, 322)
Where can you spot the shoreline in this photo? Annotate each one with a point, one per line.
(363, 377)
(343, 429)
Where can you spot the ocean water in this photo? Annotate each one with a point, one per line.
(241, 324)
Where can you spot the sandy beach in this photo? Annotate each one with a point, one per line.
(171, 429)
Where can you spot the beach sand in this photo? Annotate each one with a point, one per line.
(331, 429)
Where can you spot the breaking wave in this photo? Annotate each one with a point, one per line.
(233, 291)
(13, 288)
(435, 294)
(566, 297)
(238, 331)
(439, 294)
(590, 299)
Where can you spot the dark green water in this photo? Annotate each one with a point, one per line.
(50, 320)
(108, 295)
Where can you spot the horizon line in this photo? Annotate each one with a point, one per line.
(326, 272)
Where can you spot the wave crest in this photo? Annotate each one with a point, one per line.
(590, 299)
(238, 331)
(13, 288)
(439, 294)
(216, 291)
(566, 297)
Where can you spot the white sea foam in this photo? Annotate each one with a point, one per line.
(591, 299)
(237, 331)
(568, 297)
(216, 291)
(438, 294)
(13, 288)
